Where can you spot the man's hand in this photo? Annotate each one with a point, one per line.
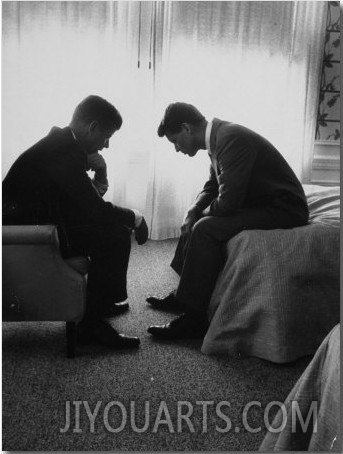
(141, 233)
(192, 216)
(206, 211)
(97, 163)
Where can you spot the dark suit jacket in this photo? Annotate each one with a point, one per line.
(48, 183)
(246, 171)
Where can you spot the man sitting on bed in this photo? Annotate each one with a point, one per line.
(250, 186)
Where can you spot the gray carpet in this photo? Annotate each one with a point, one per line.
(38, 380)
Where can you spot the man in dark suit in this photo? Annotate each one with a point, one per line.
(49, 184)
(250, 186)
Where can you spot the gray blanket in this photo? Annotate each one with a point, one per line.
(278, 294)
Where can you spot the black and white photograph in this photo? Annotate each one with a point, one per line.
(170, 226)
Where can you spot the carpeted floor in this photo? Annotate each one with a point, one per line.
(150, 385)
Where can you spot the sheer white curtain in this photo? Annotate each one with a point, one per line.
(255, 63)
(55, 54)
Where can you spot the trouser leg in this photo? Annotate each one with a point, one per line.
(205, 257)
(180, 253)
(109, 250)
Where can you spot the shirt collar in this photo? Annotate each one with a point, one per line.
(208, 136)
(73, 134)
(78, 147)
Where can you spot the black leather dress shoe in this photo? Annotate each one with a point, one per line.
(168, 303)
(116, 309)
(101, 332)
(184, 327)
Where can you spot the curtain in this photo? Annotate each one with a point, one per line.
(254, 63)
(57, 53)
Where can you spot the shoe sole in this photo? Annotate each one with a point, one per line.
(170, 336)
(165, 306)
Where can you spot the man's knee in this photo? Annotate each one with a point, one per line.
(215, 229)
(204, 226)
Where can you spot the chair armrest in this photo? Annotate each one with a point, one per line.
(37, 283)
(30, 234)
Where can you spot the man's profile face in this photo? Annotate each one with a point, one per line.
(183, 141)
(98, 138)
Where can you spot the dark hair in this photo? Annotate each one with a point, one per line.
(95, 108)
(176, 114)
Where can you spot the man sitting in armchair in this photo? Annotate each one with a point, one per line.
(48, 184)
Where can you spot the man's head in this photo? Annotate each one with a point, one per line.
(185, 127)
(94, 122)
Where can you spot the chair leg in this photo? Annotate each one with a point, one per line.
(71, 339)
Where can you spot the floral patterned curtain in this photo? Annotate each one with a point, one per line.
(328, 116)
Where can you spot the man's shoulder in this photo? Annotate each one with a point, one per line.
(228, 132)
(56, 138)
(55, 153)
(224, 132)
(59, 144)
(224, 128)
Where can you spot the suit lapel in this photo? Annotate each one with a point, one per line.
(213, 144)
(213, 137)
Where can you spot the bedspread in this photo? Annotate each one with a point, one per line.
(318, 388)
(277, 296)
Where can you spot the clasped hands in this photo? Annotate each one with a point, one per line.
(192, 216)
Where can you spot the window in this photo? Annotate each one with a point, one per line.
(328, 117)
(326, 155)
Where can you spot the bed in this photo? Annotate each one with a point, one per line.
(317, 395)
(277, 296)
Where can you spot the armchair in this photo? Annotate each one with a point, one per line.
(37, 283)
